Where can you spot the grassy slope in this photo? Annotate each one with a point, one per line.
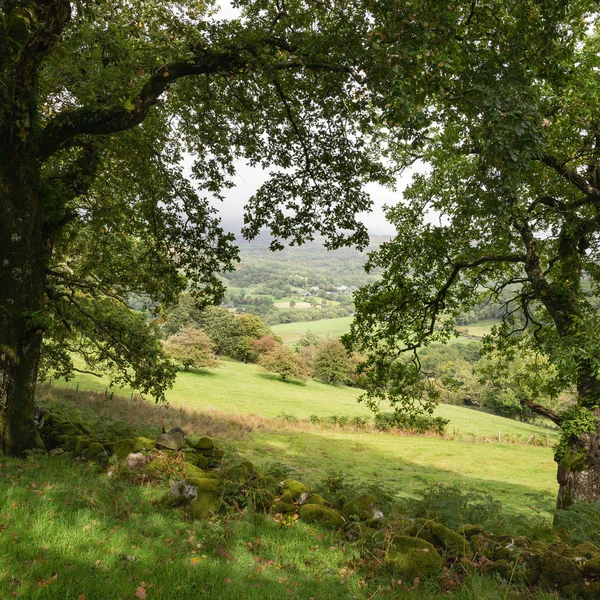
(239, 388)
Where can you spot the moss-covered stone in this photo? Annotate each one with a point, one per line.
(591, 569)
(560, 572)
(192, 470)
(157, 466)
(83, 444)
(468, 531)
(360, 530)
(205, 506)
(204, 443)
(296, 488)
(242, 472)
(316, 499)
(142, 443)
(441, 537)
(590, 590)
(96, 451)
(314, 513)
(214, 453)
(197, 459)
(172, 440)
(362, 507)
(123, 448)
(503, 568)
(282, 508)
(203, 484)
(287, 497)
(410, 557)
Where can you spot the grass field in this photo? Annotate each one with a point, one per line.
(241, 388)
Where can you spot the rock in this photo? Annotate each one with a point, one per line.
(203, 484)
(56, 451)
(362, 507)
(316, 499)
(560, 572)
(590, 590)
(206, 505)
(136, 461)
(314, 513)
(182, 493)
(410, 557)
(469, 531)
(123, 448)
(441, 537)
(204, 443)
(192, 470)
(591, 569)
(197, 459)
(96, 451)
(157, 466)
(287, 497)
(295, 488)
(503, 567)
(172, 440)
(360, 530)
(142, 443)
(280, 507)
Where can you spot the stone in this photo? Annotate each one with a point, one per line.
(328, 517)
(468, 531)
(136, 461)
(280, 507)
(96, 451)
(197, 459)
(560, 572)
(362, 507)
(203, 484)
(316, 499)
(441, 537)
(205, 506)
(56, 451)
(172, 440)
(142, 443)
(295, 488)
(204, 443)
(123, 448)
(191, 470)
(410, 557)
(591, 569)
(182, 493)
(287, 497)
(157, 466)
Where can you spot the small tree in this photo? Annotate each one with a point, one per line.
(286, 363)
(192, 348)
(265, 344)
(331, 362)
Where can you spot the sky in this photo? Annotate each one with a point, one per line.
(248, 180)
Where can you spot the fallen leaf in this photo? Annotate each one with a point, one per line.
(223, 552)
(227, 580)
(140, 593)
(81, 597)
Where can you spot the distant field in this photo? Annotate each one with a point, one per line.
(286, 304)
(480, 328)
(292, 332)
(245, 389)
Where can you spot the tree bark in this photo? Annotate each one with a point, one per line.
(579, 472)
(21, 302)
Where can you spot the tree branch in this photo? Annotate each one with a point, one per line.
(572, 177)
(543, 410)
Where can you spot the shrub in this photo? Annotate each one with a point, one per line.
(416, 423)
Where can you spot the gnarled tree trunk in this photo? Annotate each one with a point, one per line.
(21, 301)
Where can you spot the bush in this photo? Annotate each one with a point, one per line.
(416, 423)
(579, 523)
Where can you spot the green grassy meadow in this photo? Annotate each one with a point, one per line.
(72, 529)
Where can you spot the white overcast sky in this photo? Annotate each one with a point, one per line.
(248, 180)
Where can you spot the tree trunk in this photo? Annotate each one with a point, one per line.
(21, 301)
(579, 472)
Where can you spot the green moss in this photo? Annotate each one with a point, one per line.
(469, 531)
(82, 444)
(142, 443)
(362, 507)
(441, 537)
(192, 470)
(295, 488)
(283, 508)
(206, 505)
(203, 484)
(590, 591)
(410, 557)
(157, 466)
(503, 568)
(96, 451)
(591, 569)
(314, 513)
(197, 459)
(560, 571)
(204, 443)
(287, 497)
(316, 499)
(122, 448)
